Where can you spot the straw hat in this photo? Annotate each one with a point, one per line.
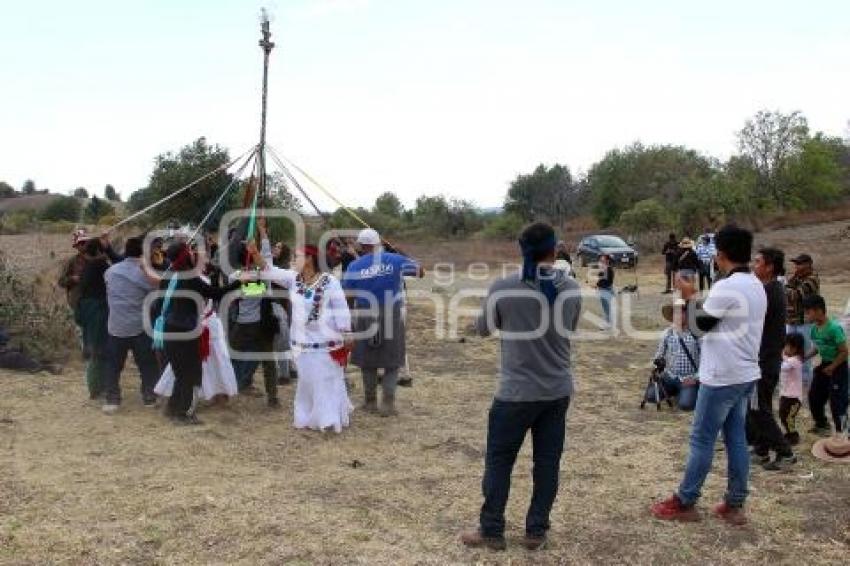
(668, 309)
(686, 243)
(835, 449)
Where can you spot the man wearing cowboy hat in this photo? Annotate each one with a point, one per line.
(69, 277)
(688, 258)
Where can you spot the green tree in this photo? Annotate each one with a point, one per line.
(97, 209)
(770, 141)
(62, 208)
(648, 215)
(174, 170)
(29, 187)
(6, 190)
(111, 194)
(546, 194)
(81, 192)
(388, 204)
(816, 175)
(626, 176)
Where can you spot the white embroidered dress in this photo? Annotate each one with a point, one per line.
(319, 317)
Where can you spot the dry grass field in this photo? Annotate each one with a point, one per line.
(80, 487)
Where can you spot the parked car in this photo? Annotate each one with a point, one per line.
(622, 254)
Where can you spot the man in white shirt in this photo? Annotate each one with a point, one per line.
(732, 319)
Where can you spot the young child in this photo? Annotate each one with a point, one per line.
(830, 377)
(791, 386)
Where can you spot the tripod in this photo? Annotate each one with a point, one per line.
(656, 386)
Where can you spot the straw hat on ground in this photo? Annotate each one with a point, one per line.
(835, 449)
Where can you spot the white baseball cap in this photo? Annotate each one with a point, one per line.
(369, 237)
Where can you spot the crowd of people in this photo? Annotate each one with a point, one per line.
(740, 328)
(723, 355)
(208, 332)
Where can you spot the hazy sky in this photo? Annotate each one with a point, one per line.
(437, 96)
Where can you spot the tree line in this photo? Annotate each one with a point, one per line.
(780, 166)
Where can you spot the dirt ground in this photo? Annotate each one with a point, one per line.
(80, 487)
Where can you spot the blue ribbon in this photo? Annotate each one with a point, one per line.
(159, 324)
(529, 266)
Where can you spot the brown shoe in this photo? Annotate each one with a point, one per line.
(474, 539)
(732, 515)
(531, 542)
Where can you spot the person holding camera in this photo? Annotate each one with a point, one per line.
(677, 358)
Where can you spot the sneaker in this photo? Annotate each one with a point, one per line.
(405, 382)
(187, 420)
(672, 509)
(822, 431)
(780, 463)
(531, 542)
(759, 459)
(474, 539)
(732, 515)
(251, 391)
(110, 408)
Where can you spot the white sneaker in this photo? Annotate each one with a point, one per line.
(110, 408)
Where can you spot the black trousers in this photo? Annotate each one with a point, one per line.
(669, 270)
(509, 422)
(763, 429)
(829, 388)
(185, 359)
(789, 407)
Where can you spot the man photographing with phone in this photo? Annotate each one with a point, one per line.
(732, 320)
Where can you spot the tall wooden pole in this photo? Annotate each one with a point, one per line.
(267, 46)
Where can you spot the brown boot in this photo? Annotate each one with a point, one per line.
(474, 539)
(534, 543)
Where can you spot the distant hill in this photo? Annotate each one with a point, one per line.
(39, 202)
(26, 202)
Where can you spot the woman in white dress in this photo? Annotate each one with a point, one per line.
(318, 336)
(218, 379)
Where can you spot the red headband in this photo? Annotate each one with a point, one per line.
(310, 251)
(182, 258)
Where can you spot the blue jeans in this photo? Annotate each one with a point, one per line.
(806, 331)
(719, 408)
(606, 296)
(686, 397)
(506, 429)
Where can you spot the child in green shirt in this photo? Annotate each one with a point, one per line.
(830, 377)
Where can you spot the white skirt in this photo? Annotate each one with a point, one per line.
(218, 376)
(321, 399)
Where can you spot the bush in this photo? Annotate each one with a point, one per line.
(646, 216)
(41, 328)
(17, 222)
(63, 208)
(506, 226)
(109, 220)
(60, 227)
